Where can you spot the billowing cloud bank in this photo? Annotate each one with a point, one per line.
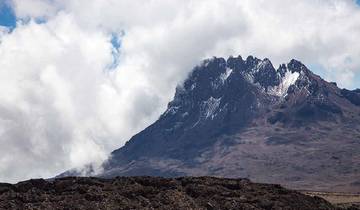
(69, 94)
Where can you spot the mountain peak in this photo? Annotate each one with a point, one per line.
(213, 74)
(244, 118)
(295, 65)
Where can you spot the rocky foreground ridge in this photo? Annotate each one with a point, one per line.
(153, 193)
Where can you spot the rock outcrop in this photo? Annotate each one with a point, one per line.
(153, 193)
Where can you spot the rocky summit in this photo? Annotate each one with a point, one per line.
(244, 118)
(153, 193)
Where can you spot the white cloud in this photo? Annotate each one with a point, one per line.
(51, 76)
(61, 106)
(36, 8)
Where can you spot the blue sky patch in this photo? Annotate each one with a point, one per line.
(7, 16)
(116, 43)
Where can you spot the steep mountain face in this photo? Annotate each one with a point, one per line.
(244, 118)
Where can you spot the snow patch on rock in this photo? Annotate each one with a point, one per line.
(286, 81)
(225, 76)
(248, 77)
(210, 106)
(172, 110)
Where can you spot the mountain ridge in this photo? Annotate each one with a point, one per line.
(244, 118)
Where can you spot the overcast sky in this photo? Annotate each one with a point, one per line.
(78, 78)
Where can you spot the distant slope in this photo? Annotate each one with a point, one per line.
(153, 193)
(344, 199)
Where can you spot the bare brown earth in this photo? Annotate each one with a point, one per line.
(297, 158)
(336, 198)
(154, 193)
(340, 199)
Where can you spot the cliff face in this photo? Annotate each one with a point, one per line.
(153, 193)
